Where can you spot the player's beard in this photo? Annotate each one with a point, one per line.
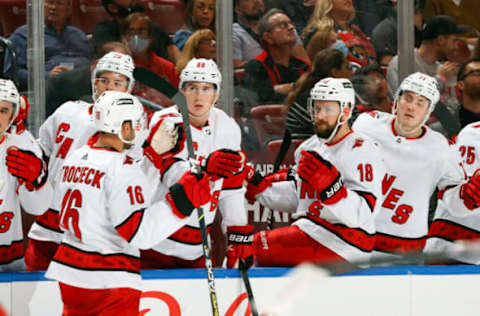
(323, 130)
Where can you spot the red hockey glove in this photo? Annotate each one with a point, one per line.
(239, 246)
(189, 193)
(165, 140)
(25, 165)
(322, 176)
(256, 183)
(470, 191)
(224, 163)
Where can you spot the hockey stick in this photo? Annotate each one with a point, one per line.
(161, 84)
(246, 280)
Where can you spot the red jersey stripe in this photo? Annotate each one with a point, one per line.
(80, 259)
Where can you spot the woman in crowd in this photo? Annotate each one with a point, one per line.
(339, 14)
(202, 44)
(199, 14)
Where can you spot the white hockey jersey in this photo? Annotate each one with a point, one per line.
(13, 194)
(67, 129)
(107, 216)
(414, 168)
(447, 226)
(221, 131)
(346, 227)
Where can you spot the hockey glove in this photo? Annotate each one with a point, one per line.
(470, 191)
(189, 193)
(322, 176)
(256, 183)
(224, 163)
(165, 140)
(239, 246)
(25, 165)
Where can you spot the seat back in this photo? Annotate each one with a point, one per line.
(13, 13)
(87, 13)
(289, 159)
(268, 122)
(167, 13)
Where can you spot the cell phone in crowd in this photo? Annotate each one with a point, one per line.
(68, 65)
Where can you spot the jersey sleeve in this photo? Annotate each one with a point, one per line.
(280, 196)
(34, 201)
(46, 135)
(451, 177)
(141, 224)
(231, 200)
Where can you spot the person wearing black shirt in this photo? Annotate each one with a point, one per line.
(272, 74)
(468, 85)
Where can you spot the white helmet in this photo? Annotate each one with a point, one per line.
(113, 108)
(333, 89)
(9, 93)
(420, 84)
(115, 62)
(201, 70)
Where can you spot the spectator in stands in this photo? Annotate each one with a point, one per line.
(468, 85)
(327, 63)
(384, 35)
(367, 16)
(272, 74)
(199, 14)
(461, 11)
(245, 37)
(438, 41)
(66, 46)
(59, 88)
(202, 44)
(137, 35)
(298, 11)
(339, 14)
(325, 38)
(109, 30)
(371, 89)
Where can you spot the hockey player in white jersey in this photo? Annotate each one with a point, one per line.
(334, 194)
(23, 180)
(418, 160)
(216, 141)
(448, 228)
(67, 129)
(107, 214)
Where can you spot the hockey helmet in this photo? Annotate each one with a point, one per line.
(113, 108)
(333, 89)
(9, 93)
(115, 62)
(201, 70)
(420, 84)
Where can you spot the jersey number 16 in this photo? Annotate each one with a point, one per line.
(69, 213)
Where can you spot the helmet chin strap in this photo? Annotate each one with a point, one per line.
(337, 126)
